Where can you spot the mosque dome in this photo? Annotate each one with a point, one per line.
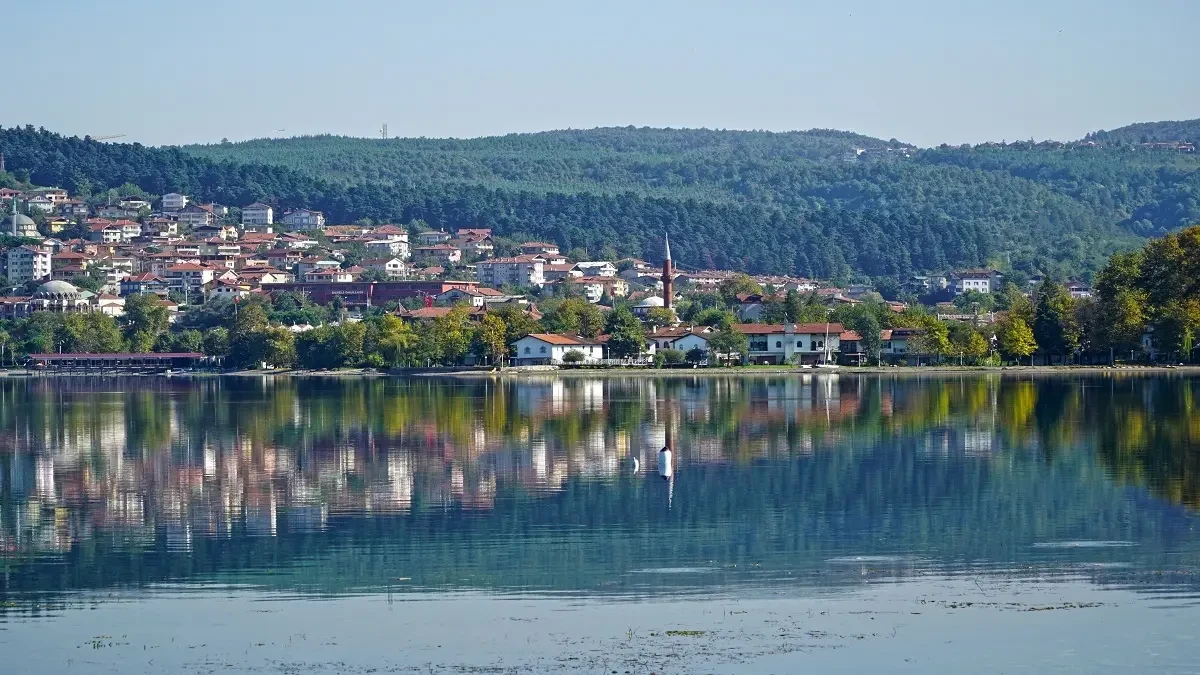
(652, 301)
(57, 289)
(22, 220)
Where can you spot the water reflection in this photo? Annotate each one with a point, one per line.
(553, 484)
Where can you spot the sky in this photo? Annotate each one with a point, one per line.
(922, 71)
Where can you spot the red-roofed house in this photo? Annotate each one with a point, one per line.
(779, 344)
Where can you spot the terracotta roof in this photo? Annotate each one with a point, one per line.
(849, 336)
(565, 340)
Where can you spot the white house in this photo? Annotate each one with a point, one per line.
(388, 247)
(393, 267)
(303, 219)
(196, 215)
(779, 344)
(597, 269)
(547, 349)
(173, 201)
(682, 338)
(519, 271)
(979, 281)
(258, 214)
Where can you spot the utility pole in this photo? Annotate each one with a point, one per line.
(383, 132)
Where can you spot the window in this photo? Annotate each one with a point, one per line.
(543, 349)
(778, 344)
(799, 344)
(527, 350)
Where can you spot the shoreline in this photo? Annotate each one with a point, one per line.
(607, 373)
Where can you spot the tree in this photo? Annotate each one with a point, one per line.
(145, 319)
(1054, 324)
(452, 335)
(715, 317)
(574, 315)
(92, 333)
(659, 317)
(728, 341)
(216, 341)
(773, 311)
(247, 343)
(673, 357)
(736, 285)
(696, 356)
(626, 338)
(1015, 338)
(573, 356)
(934, 338)
(492, 339)
(867, 326)
(394, 341)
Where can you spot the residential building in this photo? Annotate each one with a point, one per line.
(40, 203)
(539, 248)
(779, 344)
(597, 269)
(304, 219)
(258, 214)
(189, 279)
(473, 232)
(264, 276)
(899, 341)
(393, 267)
(173, 201)
(196, 215)
(108, 233)
(595, 288)
(978, 280)
(24, 263)
(553, 273)
(135, 203)
(328, 275)
(475, 297)
(144, 283)
(538, 349)
(116, 211)
(683, 338)
(388, 247)
(524, 270)
(432, 237)
(443, 253)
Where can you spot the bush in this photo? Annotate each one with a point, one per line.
(696, 355)
(573, 356)
(673, 357)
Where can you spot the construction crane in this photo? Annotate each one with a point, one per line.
(107, 138)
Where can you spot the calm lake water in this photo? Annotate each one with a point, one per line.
(910, 524)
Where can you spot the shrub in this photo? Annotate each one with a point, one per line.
(673, 357)
(573, 356)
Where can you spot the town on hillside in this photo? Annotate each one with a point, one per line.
(67, 255)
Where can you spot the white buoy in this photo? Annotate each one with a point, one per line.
(665, 468)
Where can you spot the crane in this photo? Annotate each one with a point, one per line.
(107, 138)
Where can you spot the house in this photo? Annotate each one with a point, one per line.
(297, 241)
(388, 247)
(213, 231)
(258, 214)
(548, 349)
(226, 289)
(307, 265)
(197, 215)
(899, 341)
(393, 267)
(304, 219)
(473, 232)
(135, 203)
(40, 203)
(264, 276)
(553, 273)
(108, 233)
(432, 237)
(683, 338)
(524, 270)
(443, 253)
(57, 224)
(1078, 289)
(475, 297)
(116, 211)
(595, 288)
(24, 263)
(161, 226)
(130, 229)
(597, 269)
(976, 280)
(144, 283)
(73, 208)
(189, 279)
(173, 201)
(539, 248)
(779, 344)
(64, 259)
(108, 304)
(328, 275)
(478, 246)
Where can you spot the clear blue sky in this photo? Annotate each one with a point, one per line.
(923, 71)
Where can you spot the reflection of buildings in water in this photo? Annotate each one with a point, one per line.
(46, 487)
(304, 518)
(260, 516)
(978, 443)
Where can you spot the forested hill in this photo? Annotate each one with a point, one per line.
(817, 203)
(1150, 132)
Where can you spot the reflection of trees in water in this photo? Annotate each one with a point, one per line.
(869, 463)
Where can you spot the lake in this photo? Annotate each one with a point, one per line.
(821, 522)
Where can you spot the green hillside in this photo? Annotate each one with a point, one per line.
(817, 203)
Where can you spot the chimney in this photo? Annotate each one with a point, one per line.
(668, 291)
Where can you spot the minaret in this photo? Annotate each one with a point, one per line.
(668, 295)
(14, 217)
